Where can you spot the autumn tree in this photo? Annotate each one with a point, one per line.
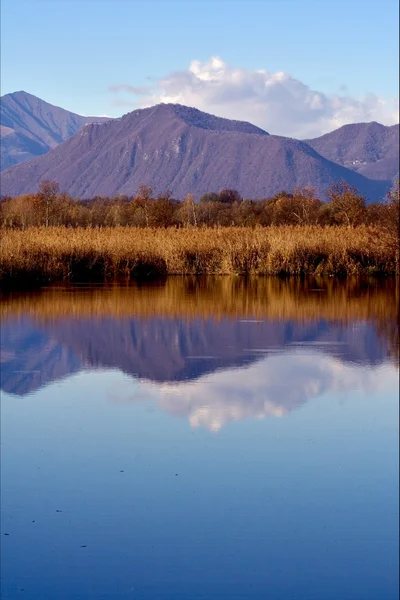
(162, 211)
(47, 194)
(114, 215)
(305, 206)
(21, 212)
(142, 201)
(188, 212)
(282, 210)
(207, 212)
(228, 196)
(208, 197)
(391, 219)
(347, 205)
(392, 206)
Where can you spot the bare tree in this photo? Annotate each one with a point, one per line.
(142, 200)
(188, 210)
(347, 204)
(48, 192)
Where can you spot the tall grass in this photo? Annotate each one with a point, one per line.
(44, 255)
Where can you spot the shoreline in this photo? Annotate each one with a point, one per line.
(41, 256)
(302, 300)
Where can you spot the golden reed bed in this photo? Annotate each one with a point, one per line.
(57, 253)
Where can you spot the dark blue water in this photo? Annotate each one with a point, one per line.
(192, 457)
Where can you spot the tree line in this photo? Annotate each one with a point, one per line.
(51, 207)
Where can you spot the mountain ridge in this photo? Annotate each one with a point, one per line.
(170, 146)
(30, 127)
(370, 148)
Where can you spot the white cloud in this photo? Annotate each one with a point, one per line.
(277, 102)
(269, 388)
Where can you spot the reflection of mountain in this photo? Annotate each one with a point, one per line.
(184, 328)
(165, 349)
(30, 357)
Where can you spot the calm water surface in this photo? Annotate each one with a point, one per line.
(201, 439)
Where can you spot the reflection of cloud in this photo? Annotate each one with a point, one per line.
(271, 387)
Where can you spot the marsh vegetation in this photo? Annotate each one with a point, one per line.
(49, 237)
(43, 255)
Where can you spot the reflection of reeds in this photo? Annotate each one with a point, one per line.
(44, 255)
(272, 298)
(217, 297)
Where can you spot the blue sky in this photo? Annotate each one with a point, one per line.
(69, 52)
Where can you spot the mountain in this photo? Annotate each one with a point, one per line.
(371, 149)
(31, 127)
(184, 150)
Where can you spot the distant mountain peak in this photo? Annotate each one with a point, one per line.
(371, 149)
(31, 127)
(27, 99)
(202, 120)
(193, 117)
(175, 147)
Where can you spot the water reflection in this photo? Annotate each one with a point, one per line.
(254, 347)
(267, 388)
(114, 484)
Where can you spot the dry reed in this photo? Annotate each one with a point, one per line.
(44, 255)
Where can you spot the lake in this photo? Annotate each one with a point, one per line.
(216, 438)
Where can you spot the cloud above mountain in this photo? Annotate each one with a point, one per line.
(277, 102)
